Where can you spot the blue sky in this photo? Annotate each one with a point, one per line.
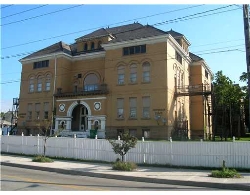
(207, 34)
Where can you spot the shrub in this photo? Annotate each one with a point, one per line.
(225, 173)
(124, 166)
(42, 159)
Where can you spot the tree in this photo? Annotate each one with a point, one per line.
(44, 130)
(228, 96)
(122, 146)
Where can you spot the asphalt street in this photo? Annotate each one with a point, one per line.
(19, 179)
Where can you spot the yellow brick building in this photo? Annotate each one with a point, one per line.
(118, 79)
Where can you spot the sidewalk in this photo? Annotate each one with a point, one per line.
(186, 177)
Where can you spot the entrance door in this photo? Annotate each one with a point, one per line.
(79, 118)
(84, 119)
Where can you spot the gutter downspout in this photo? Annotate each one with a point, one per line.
(53, 97)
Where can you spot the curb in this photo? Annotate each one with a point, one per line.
(134, 178)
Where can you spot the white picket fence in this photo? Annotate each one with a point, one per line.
(205, 154)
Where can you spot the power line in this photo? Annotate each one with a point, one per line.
(40, 15)
(7, 6)
(98, 27)
(23, 11)
(217, 43)
(161, 23)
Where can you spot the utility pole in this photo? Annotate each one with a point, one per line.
(247, 45)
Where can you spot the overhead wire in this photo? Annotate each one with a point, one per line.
(98, 27)
(7, 6)
(23, 11)
(40, 15)
(161, 23)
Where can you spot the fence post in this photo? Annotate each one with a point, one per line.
(171, 151)
(37, 144)
(8, 134)
(233, 139)
(144, 156)
(95, 136)
(119, 137)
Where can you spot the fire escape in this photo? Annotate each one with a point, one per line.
(15, 108)
(205, 90)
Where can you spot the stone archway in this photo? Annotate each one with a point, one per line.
(82, 116)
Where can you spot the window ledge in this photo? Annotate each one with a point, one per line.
(120, 84)
(144, 82)
(133, 83)
(120, 119)
(146, 118)
(132, 119)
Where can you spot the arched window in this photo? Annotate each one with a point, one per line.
(85, 46)
(39, 83)
(31, 87)
(121, 74)
(47, 82)
(91, 82)
(92, 45)
(99, 44)
(133, 73)
(146, 72)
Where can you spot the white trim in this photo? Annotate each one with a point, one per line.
(74, 104)
(62, 54)
(45, 57)
(178, 48)
(97, 98)
(148, 40)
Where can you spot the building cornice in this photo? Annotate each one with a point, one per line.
(148, 40)
(62, 54)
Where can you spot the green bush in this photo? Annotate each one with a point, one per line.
(42, 159)
(124, 166)
(225, 173)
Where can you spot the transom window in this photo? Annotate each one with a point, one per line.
(41, 64)
(134, 50)
(146, 72)
(121, 75)
(91, 82)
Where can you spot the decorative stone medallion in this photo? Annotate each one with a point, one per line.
(97, 105)
(61, 107)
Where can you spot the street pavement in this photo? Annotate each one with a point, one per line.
(186, 177)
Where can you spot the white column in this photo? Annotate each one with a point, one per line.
(56, 125)
(89, 123)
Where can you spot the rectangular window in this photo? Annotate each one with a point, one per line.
(206, 74)
(132, 105)
(120, 108)
(146, 133)
(46, 110)
(41, 64)
(132, 132)
(178, 57)
(146, 76)
(134, 50)
(121, 79)
(146, 107)
(47, 87)
(37, 110)
(39, 87)
(31, 88)
(29, 114)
